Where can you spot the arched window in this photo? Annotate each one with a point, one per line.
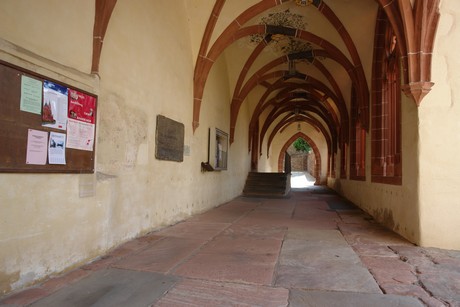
(357, 142)
(386, 106)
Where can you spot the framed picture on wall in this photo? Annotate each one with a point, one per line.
(218, 149)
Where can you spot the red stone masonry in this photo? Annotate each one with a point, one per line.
(104, 9)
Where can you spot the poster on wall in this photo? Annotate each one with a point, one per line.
(81, 122)
(56, 148)
(80, 135)
(37, 142)
(82, 107)
(31, 95)
(55, 105)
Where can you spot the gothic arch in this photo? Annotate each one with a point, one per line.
(315, 149)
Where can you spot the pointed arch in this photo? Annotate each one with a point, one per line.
(104, 9)
(315, 149)
(415, 29)
(235, 30)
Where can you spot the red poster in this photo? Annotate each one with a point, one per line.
(82, 107)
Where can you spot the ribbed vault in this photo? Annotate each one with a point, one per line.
(311, 82)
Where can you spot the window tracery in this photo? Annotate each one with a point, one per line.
(386, 109)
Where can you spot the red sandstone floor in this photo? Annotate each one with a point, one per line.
(312, 249)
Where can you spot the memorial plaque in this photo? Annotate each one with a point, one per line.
(169, 140)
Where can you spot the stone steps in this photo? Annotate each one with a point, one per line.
(267, 185)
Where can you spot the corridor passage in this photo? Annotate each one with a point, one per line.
(312, 249)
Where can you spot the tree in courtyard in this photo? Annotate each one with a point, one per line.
(301, 145)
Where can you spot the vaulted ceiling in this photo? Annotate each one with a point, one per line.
(303, 60)
(296, 61)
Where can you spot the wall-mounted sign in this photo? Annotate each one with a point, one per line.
(169, 140)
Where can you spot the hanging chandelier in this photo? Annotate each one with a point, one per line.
(303, 2)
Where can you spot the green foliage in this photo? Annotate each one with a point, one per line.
(301, 145)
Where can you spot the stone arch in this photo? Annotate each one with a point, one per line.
(315, 149)
(415, 24)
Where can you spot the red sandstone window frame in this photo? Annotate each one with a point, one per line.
(386, 152)
(357, 143)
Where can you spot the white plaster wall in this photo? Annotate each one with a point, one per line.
(146, 69)
(440, 139)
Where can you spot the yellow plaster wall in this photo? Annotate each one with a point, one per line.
(440, 138)
(146, 69)
(395, 206)
(52, 28)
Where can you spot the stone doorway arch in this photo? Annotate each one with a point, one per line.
(317, 172)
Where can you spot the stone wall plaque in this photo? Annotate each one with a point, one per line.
(169, 139)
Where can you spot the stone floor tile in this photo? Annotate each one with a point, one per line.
(204, 293)
(310, 253)
(312, 205)
(319, 224)
(411, 290)
(276, 206)
(302, 298)
(58, 282)
(390, 270)
(123, 250)
(414, 255)
(228, 244)
(375, 250)
(339, 203)
(256, 231)
(370, 233)
(234, 267)
(318, 235)
(259, 213)
(324, 261)
(251, 251)
(195, 230)
(162, 256)
(265, 220)
(310, 215)
(330, 276)
(25, 297)
(112, 287)
(233, 209)
(218, 216)
(241, 204)
(354, 217)
(442, 281)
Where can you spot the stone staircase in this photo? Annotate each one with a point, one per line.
(270, 185)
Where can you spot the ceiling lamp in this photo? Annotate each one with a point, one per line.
(303, 2)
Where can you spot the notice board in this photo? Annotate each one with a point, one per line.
(45, 126)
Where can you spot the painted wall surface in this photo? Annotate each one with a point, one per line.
(440, 139)
(270, 164)
(73, 35)
(395, 206)
(425, 208)
(141, 75)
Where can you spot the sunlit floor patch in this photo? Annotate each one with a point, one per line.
(301, 180)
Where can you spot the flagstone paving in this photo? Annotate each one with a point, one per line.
(312, 249)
